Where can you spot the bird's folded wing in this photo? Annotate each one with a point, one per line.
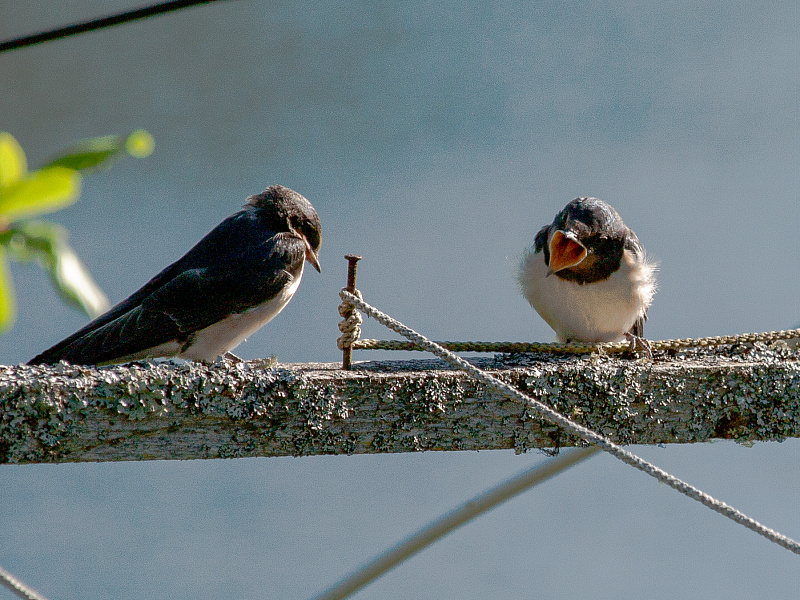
(170, 309)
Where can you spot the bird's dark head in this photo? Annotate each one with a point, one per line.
(286, 210)
(586, 217)
(586, 240)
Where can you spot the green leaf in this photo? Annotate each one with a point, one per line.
(98, 153)
(90, 154)
(7, 304)
(47, 243)
(13, 165)
(32, 240)
(75, 285)
(43, 191)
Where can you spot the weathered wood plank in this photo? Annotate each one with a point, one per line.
(156, 411)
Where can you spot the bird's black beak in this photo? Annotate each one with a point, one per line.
(312, 256)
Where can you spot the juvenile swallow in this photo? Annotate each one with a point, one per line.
(236, 279)
(587, 275)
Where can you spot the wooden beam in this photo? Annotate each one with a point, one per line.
(158, 411)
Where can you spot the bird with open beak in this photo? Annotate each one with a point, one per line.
(587, 275)
(234, 281)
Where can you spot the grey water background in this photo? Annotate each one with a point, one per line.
(434, 139)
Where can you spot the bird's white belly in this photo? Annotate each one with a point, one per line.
(225, 335)
(595, 312)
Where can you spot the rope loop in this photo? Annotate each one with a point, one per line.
(350, 326)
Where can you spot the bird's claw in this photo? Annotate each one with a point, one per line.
(233, 358)
(639, 345)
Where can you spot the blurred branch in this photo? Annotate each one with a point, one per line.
(447, 523)
(101, 23)
(156, 411)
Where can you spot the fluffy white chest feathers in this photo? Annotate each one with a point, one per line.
(602, 311)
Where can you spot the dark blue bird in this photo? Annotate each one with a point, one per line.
(236, 279)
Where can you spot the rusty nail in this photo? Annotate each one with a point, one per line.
(352, 269)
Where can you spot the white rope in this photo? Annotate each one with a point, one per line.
(17, 587)
(586, 434)
(454, 519)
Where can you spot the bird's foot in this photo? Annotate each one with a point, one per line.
(639, 345)
(233, 358)
(168, 360)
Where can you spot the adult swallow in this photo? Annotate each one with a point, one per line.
(587, 275)
(236, 279)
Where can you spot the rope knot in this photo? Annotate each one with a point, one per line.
(350, 326)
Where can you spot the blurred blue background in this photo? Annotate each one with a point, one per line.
(434, 139)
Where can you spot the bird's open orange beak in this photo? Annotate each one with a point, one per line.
(565, 251)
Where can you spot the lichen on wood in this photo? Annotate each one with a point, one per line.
(163, 410)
